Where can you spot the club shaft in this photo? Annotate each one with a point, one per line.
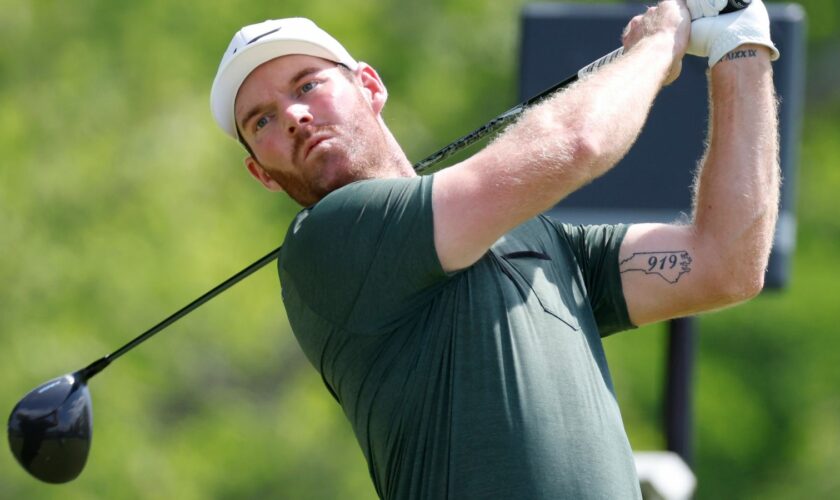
(510, 115)
(100, 364)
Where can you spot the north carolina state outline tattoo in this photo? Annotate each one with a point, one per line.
(668, 265)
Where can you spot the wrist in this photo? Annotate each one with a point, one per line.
(747, 51)
(662, 41)
(662, 50)
(740, 70)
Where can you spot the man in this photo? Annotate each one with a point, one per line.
(460, 330)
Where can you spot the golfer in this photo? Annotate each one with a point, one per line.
(459, 329)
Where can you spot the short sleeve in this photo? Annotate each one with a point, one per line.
(596, 248)
(364, 256)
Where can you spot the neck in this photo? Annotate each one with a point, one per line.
(398, 162)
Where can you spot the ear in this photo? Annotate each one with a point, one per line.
(259, 173)
(372, 86)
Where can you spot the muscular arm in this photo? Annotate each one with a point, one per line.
(721, 256)
(557, 147)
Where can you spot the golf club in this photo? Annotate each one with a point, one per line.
(50, 429)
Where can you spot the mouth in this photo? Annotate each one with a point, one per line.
(313, 143)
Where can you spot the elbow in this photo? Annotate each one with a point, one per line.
(740, 258)
(741, 285)
(745, 288)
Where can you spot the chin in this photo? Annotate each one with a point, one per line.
(340, 178)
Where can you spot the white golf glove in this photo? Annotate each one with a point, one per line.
(704, 8)
(714, 37)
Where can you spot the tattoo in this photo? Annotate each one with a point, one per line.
(739, 54)
(668, 265)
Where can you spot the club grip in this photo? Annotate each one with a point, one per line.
(600, 62)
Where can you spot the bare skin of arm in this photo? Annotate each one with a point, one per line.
(558, 146)
(719, 258)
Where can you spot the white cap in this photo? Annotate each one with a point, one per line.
(258, 43)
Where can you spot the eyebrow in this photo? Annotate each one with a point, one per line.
(293, 81)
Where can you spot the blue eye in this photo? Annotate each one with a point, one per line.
(262, 122)
(308, 87)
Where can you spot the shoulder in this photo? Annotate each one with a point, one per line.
(352, 206)
(586, 240)
(372, 193)
(341, 253)
(359, 222)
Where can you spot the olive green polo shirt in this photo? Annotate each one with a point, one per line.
(490, 382)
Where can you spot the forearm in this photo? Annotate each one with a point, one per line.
(582, 132)
(553, 150)
(737, 188)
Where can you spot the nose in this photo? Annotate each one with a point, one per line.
(297, 116)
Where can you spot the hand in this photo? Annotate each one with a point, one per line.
(670, 17)
(714, 37)
(704, 8)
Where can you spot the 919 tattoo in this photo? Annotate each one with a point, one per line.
(668, 265)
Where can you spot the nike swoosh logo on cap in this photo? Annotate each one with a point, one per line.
(264, 34)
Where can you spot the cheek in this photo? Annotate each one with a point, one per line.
(272, 145)
(354, 103)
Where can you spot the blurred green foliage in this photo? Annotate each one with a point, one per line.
(120, 201)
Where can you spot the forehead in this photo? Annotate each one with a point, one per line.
(276, 73)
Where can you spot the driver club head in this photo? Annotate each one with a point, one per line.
(50, 429)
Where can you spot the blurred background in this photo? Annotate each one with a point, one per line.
(121, 201)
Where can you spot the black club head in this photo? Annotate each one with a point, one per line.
(51, 427)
